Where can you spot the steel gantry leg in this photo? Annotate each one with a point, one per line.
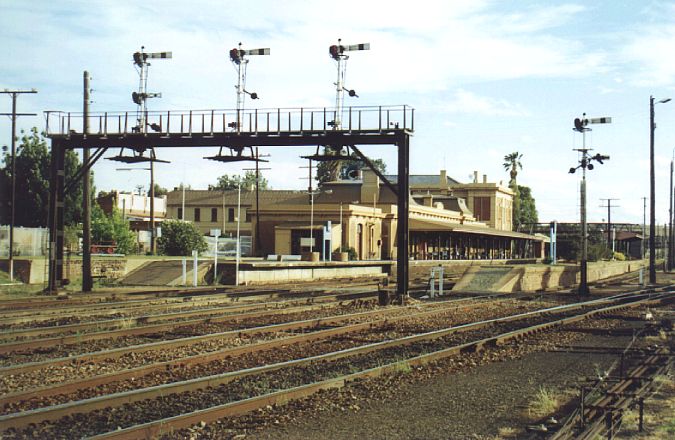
(56, 212)
(403, 210)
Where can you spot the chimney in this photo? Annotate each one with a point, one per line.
(484, 178)
(475, 177)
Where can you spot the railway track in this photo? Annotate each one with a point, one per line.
(214, 341)
(266, 352)
(140, 324)
(234, 392)
(51, 313)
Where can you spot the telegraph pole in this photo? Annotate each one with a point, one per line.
(257, 170)
(87, 282)
(669, 263)
(13, 117)
(609, 207)
(644, 222)
(652, 191)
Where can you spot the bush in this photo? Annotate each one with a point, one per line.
(619, 256)
(112, 228)
(597, 252)
(350, 250)
(180, 238)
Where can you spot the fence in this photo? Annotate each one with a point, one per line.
(227, 247)
(28, 242)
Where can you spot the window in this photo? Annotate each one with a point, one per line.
(230, 214)
(248, 216)
(214, 215)
(198, 215)
(481, 208)
(180, 213)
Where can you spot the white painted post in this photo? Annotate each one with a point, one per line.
(215, 263)
(238, 253)
(440, 280)
(432, 282)
(184, 274)
(194, 268)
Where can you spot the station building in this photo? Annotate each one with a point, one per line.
(447, 219)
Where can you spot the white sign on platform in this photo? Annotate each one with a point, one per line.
(307, 242)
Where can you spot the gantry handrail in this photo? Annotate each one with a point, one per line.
(250, 121)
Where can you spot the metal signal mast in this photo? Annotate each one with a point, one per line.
(337, 52)
(237, 56)
(141, 97)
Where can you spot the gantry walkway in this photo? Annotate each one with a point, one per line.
(232, 130)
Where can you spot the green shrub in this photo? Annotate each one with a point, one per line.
(350, 250)
(619, 256)
(180, 238)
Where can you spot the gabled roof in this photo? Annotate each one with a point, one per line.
(217, 198)
(423, 179)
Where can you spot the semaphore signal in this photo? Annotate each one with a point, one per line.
(337, 52)
(237, 56)
(140, 98)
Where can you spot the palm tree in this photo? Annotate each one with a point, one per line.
(512, 163)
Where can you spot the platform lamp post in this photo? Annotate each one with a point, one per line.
(585, 163)
(652, 191)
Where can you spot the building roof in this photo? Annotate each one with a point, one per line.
(438, 226)
(204, 197)
(422, 179)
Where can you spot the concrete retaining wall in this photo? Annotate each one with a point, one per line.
(262, 273)
(534, 278)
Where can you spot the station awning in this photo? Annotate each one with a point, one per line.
(419, 225)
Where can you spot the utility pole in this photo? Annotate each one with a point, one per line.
(87, 282)
(257, 170)
(669, 264)
(652, 191)
(13, 117)
(609, 207)
(644, 222)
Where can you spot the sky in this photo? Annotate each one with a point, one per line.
(486, 78)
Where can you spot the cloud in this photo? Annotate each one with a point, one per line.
(646, 48)
(469, 103)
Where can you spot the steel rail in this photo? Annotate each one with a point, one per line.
(54, 412)
(157, 427)
(125, 322)
(219, 317)
(614, 398)
(90, 382)
(116, 353)
(102, 308)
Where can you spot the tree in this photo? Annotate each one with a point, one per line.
(511, 164)
(226, 182)
(112, 228)
(159, 191)
(346, 170)
(180, 238)
(32, 165)
(527, 212)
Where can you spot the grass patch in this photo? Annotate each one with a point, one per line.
(507, 432)
(545, 402)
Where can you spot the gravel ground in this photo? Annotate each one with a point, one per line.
(479, 396)
(474, 404)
